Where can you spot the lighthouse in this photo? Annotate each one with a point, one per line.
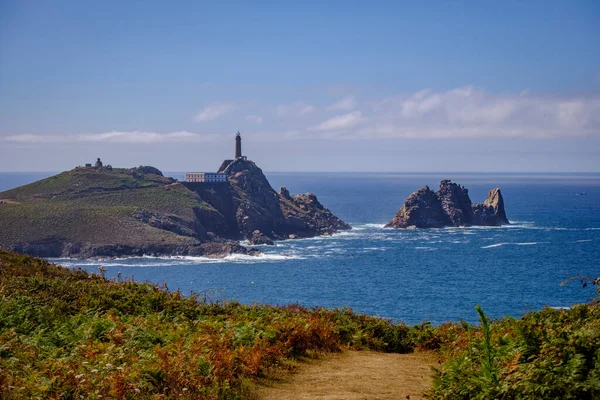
(238, 146)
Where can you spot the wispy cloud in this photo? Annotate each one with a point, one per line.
(257, 119)
(344, 121)
(297, 109)
(214, 111)
(143, 137)
(346, 103)
(113, 137)
(30, 138)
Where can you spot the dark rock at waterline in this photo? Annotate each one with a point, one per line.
(60, 249)
(259, 238)
(449, 206)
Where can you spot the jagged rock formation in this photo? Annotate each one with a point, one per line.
(449, 206)
(305, 216)
(257, 213)
(422, 209)
(111, 212)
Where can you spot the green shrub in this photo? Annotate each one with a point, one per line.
(548, 354)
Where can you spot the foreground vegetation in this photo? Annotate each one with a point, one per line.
(547, 354)
(67, 334)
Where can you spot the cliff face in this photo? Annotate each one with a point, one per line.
(256, 212)
(449, 206)
(257, 203)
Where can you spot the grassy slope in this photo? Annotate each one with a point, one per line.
(94, 205)
(66, 334)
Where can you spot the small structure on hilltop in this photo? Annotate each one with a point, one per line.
(238, 153)
(238, 147)
(98, 163)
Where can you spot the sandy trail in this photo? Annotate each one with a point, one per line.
(357, 375)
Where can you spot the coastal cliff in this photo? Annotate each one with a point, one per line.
(449, 206)
(110, 212)
(260, 214)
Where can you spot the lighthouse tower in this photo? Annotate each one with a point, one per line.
(238, 146)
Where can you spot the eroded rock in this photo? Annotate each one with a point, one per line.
(449, 206)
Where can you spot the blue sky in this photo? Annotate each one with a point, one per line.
(342, 86)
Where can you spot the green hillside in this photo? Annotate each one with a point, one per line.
(86, 208)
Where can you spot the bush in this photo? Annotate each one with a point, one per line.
(548, 354)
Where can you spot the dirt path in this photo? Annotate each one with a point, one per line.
(357, 375)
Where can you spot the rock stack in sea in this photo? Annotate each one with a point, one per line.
(449, 206)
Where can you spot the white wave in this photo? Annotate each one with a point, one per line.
(426, 248)
(516, 244)
(262, 257)
(170, 261)
(493, 245)
(584, 240)
(360, 227)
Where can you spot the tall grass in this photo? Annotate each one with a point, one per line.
(488, 360)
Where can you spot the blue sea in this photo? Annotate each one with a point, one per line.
(432, 275)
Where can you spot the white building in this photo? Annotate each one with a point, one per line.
(205, 177)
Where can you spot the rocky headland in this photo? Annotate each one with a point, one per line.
(449, 206)
(92, 212)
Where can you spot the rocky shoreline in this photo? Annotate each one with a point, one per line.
(58, 249)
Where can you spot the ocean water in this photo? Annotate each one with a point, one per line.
(432, 275)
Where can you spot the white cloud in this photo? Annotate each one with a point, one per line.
(470, 112)
(142, 137)
(114, 137)
(29, 138)
(344, 121)
(214, 111)
(257, 119)
(297, 109)
(346, 103)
